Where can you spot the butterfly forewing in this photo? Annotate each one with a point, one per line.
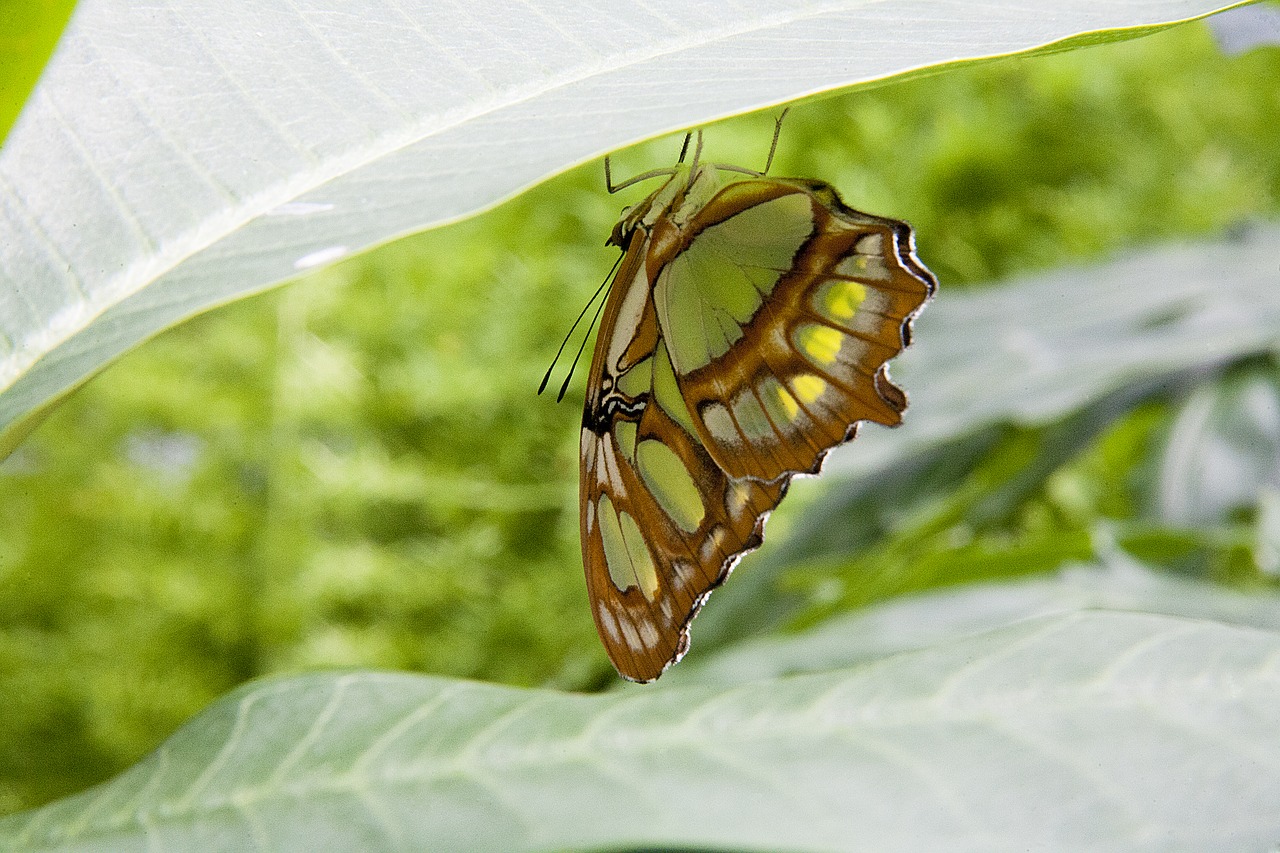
(745, 336)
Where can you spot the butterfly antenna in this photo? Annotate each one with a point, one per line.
(585, 338)
(608, 278)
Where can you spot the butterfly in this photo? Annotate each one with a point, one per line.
(744, 335)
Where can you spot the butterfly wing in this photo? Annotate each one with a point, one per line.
(662, 524)
(703, 395)
(780, 310)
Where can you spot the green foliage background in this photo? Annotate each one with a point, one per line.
(29, 30)
(354, 470)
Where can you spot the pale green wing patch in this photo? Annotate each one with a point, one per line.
(637, 380)
(709, 292)
(629, 560)
(764, 237)
(671, 484)
(666, 391)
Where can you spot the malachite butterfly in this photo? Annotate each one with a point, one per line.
(745, 334)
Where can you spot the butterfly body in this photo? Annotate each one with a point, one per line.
(745, 335)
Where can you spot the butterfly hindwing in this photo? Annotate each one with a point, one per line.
(661, 523)
(662, 529)
(745, 335)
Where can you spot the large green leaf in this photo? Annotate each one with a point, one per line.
(184, 154)
(1088, 731)
(940, 616)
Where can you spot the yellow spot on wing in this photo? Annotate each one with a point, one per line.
(821, 343)
(789, 404)
(840, 300)
(808, 387)
(737, 497)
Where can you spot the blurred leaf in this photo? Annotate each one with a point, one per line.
(1223, 448)
(29, 29)
(1267, 548)
(1089, 731)
(250, 163)
(970, 481)
(1248, 27)
(938, 618)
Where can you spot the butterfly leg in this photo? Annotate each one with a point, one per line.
(773, 146)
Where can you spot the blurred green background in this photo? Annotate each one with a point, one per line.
(354, 471)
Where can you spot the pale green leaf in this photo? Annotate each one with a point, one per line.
(181, 155)
(1223, 449)
(1088, 731)
(942, 616)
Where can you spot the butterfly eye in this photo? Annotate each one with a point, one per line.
(622, 231)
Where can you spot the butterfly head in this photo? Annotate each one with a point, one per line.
(623, 229)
